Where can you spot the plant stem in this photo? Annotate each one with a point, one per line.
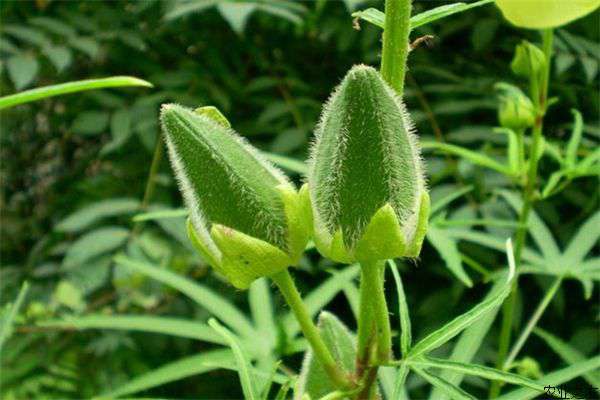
(540, 96)
(395, 43)
(374, 332)
(286, 285)
(532, 323)
(151, 180)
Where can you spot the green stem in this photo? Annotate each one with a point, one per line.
(374, 332)
(532, 323)
(286, 285)
(151, 180)
(395, 43)
(540, 96)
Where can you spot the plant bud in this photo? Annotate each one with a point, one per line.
(246, 218)
(528, 60)
(368, 194)
(515, 111)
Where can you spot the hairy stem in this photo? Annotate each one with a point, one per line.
(286, 285)
(395, 43)
(540, 97)
(374, 333)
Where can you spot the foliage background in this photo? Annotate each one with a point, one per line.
(269, 71)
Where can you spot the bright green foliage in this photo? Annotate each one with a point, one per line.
(516, 110)
(247, 217)
(367, 189)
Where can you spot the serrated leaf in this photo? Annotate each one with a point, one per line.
(313, 380)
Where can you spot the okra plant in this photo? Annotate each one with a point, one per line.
(364, 205)
(365, 201)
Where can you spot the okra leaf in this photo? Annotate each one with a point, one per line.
(244, 366)
(477, 370)
(555, 379)
(202, 295)
(584, 240)
(69, 87)
(457, 325)
(470, 155)
(176, 370)
(10, 313)
(164, 325)
(567, 353)
(405, 325)
(377, 17)
(313, 380)
(454, 392)
(448, 249)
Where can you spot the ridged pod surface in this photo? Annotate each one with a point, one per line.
(368, 194)
(245, 216)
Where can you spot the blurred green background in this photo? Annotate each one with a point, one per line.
(75, 168)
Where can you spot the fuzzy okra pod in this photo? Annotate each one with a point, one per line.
(367, 190)
(246, 218)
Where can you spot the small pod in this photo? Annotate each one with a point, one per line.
(246, 218)
(368, 194)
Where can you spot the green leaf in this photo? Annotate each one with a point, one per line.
(163, 325)
(22, 70)
(90, 123)
(538, 229)
(405, 325)
(439, 204)
(86, 45)
(60, 56)
(320, 296)
(568, 354)
(457, 325)
(468, 344)
(287, 163)
(9, 315)
(554, 379)
(184, 9)
(313, 380)
(120, 130)
(443, 12)
(584, 240)
(377, 17)
(454, 392)
(494, 242)
(259, 297)
(574, 140)
(251, 392)
(173, 371)
(94, 244)
(88, 215)
(448, 250)
(236, 14)
(477, 370)
(28, 35)
(69, 87)
(154, 215)
(470, 155)
(202, 295)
